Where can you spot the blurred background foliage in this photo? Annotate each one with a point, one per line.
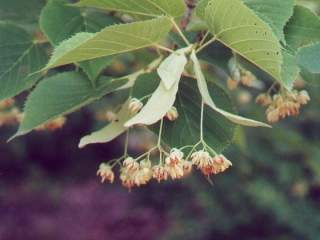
(48, 188)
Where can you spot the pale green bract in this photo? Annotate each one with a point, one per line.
(203, 88)
(156, 108)
(111, 40)
(152, 8)
(111, 131)
(236, 26)
(171, 69)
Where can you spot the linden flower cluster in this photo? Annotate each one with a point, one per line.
(284, 104)
(240, 76)
(135, 174)
(9, 114)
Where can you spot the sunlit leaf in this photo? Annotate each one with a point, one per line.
(153, 8)
(111, 40)
(237, 26)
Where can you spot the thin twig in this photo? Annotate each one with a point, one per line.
(205, 45)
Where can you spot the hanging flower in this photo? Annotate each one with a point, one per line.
(105, 172)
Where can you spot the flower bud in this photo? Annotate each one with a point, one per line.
(264, 99)
(135, 105)
(130, 164)
(303, 97)
(7, 103)
(172, 114)
(273, 115)
(160, 173)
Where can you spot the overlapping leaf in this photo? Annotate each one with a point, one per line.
(274, 12)
(309, 58)
(62, 94)
(303, 28)
(153, 8)
(57, 13)
(19, 57)
(236, 26)
(111, 40)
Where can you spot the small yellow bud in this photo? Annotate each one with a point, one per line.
(172, 114)
(135, 105)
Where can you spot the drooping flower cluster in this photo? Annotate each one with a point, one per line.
(9, 114)
(240, 76)
(134, 173)
(106, 173)
(284, 104)
(210, 165)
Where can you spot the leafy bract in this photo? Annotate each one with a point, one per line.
(274, 12)
(203, 88)
(309, 58)
(185, 130)
(303, 28)
(19, 57)
(111, 131)
(157, 106)
(172, 67)
(153, 8)
(57, 13)
(111, 40)
(236, 26)
(61, 94)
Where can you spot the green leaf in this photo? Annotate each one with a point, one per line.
(303, 28)
(237, 27)
(309, 58)
(218, 133)
(171, 69)
(111, 131)
(111, 40)
(186, 129)
(153, 8)
(62, 94)
(22, 12)
(57, 13)
(157, 106)
(19, 57)
(290, 69)
(203, 88)
(274, 12)
(201, 8)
